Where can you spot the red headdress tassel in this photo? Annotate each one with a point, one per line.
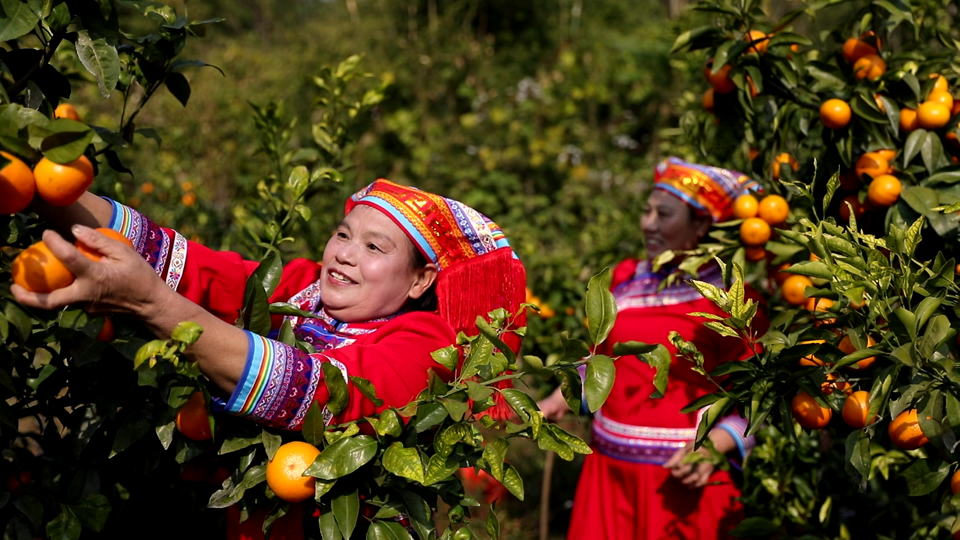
(477, 287)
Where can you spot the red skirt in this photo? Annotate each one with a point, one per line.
(619, 499)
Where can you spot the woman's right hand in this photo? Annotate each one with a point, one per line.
(554, 407)
(120, 282)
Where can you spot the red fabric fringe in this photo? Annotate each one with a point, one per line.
(477, 287)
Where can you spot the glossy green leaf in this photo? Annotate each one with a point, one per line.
(925, 475)
(447, 357)
(346, 510)
(599, 381)
(339, 396)
(419, 513)
(314, 425)
(403, 462)
(632, 347)
(16, 19)
(101, 60)
(439, 468)
(367, 389)
(329, 530)
(65, 526)
(755, 527)
(512, 481)
(659, 359)
(858, 455)
(601, 308)
(343, 457)
(186, 332)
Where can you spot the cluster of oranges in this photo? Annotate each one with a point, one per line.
(36, 269)
(864, 54)
(759, 218)
(933, 113)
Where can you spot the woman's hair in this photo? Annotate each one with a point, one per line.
(428, 301)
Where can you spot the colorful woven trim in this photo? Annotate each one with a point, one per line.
(710, 190)
(277, 385)
(643, 289)
(446, 231)
(149, 240)
(638, 444)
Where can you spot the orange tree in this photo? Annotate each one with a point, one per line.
(109, 437)
(864, 114)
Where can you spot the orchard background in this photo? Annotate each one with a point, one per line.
(549, 116)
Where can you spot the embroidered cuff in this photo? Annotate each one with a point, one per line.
(165, 256)
(278, 385)
(736, 426)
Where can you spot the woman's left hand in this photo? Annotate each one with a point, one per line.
(694, 475)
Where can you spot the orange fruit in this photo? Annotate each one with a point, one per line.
(856, 410)
(888, 154)
(808, 412)
(773, 209)
(793, 289)
(846, 345)
(147, 188)
(854, 49)
(942, 97)
(784, 158)
(956, 108)
(905, 432)
(66, 110)
(107, 333)
(189, 198)
(940, 85)
(17, 185)
(754, 231)
(811, 360)
(835, 114)
(755, 253)
(951, 138)
(721, 81)
(285, 471)
(884, 190)
(759, 39)
(745, 206)
(870, 66)
(88, 251)
(37, 270)
(955, 482)
(932, 115)
(192, 419)
(753, 88)
(708, 100)
(859, 209)
(62, 185)
(908, 120)
(871, 164)
(780, 276)
(829, 387)
(821, 305)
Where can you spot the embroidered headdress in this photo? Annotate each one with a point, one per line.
(478, 271)
(710, 190)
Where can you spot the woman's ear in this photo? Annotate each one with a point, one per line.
(424, 279)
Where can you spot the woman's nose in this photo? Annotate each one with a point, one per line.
(347, 254)
(648, 222)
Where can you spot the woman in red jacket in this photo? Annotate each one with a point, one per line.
(636, 484)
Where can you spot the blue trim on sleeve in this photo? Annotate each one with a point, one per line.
(240, 394)
(737, 438)
(115, 215)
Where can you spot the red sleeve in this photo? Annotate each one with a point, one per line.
(623, 272)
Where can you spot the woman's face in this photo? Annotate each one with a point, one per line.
(367, 268)
(667, 224)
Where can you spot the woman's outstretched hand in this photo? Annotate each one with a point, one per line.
(693, 475)
(120, 282)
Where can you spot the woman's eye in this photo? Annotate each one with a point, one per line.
(341, 234)
(373, 247)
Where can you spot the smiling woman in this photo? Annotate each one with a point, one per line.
(402, 274)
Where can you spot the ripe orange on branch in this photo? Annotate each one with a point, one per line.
(942, 97)
(285, 471)
(846, 345)
(784, 158)
(871, 164)
(66, 110)
(793, 289)
(62, 184)
(940, 85)
(855, 49)
(754, 231)
(192, 419)
(720, 81)
(708, 100)
(17, 185)
(808, 412)
(37, 270)
(773, 209)
(759, 41)
(835, 114)
(745, 206)
(870, 67)
(856, 410)
(932, 115)
(905, 432)
(884, 190)
(908, 120)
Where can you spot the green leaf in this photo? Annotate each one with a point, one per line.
(420, 515)
(403, 462)
(16, 20)
(520, 402)
(429, 415)
(547, 441)
(346, 510)
(284, 308)
(44, 374)
(65, 526)
(64, 140)
(390, 423)
(314, 425)
(339, 396)
(101, 60)
(932, 152)
(600, 376)
(816, 269)
(271, 442)
(343, 457)
(177, 84)
(755, 527)
(601, 308)
(186, 332)
(367, 389)
(92, 511)
(239, 443)
(912, 146)
(256, 308)
(493, 454)
(632, 347)
(447, 357)
(329, 530)
(387, 530)
(925, 475)
(858, 455)
(440, 468)
(134, 426)
(512, 481)
(659, 359)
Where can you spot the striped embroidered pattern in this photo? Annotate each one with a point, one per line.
(146, 236)
(639, 444)
(643, 289)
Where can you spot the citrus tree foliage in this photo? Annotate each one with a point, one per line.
(883, 312)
